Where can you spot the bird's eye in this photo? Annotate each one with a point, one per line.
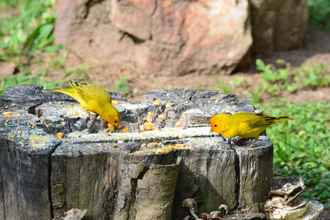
(116, 121)
(215, 125)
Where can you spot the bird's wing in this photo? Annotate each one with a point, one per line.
(91, 97)
(72, 92)
(260, 120)
(248, 119)
(252, 125)
(95, 92)
(78, 93)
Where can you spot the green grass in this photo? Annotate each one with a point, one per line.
(280, 81)
(122, 86)
(319, 13)
(301, 145)
(26, 79)
(26, 33)
(30, 31)
(225, 87)
(229, 86)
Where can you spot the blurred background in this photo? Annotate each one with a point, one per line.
(283, 80)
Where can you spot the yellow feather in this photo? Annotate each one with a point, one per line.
(242, 124)
(94, 99)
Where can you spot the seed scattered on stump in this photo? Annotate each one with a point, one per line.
(59, 135)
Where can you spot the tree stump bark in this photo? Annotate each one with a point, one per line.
(134, 175)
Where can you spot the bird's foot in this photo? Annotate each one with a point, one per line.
(233, 140)
(236, 141)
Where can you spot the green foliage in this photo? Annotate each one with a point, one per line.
(256, 97)
(9, 3)
(29, 31)
(278, 81)
(40, 38)
(26, 79)
(26, 33)
(122, 86)
(229, 86)
(301, 145)
(319, 12)
(275, 81)
(224, 87)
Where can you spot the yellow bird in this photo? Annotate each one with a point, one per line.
(242, 124)
(94, 99)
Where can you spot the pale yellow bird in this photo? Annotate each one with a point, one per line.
(95, 99)
(242, 124)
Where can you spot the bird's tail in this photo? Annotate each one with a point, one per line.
(270, 120)
(281, 118)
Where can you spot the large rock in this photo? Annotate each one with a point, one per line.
(157, 37)
(177, 37)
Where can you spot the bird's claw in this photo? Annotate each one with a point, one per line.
(234, 140)
(238, 141)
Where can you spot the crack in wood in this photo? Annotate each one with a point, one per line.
(134, 185)
(2, 189)
(50, 179)
(238, 177)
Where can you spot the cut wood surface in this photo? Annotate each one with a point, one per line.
(130, 175)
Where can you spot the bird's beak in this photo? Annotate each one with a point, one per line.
(111, 127)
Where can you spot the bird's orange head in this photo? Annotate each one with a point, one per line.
(111, 116)
(218, 122)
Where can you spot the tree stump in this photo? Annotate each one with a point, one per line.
(144, 173)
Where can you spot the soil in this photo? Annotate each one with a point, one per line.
(316, 51)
